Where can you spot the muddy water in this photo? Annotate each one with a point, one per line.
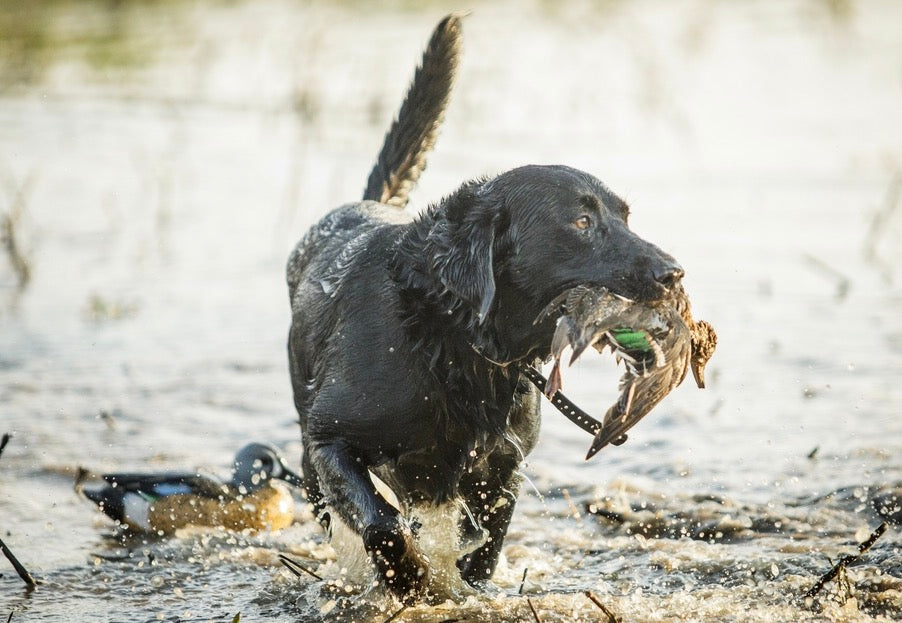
(163, 158)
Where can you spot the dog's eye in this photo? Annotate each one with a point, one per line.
(583, 222)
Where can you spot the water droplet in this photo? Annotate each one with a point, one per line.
(327, 607)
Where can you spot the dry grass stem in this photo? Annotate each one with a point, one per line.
(10, 233)
(840, 567)
(20, 569)
(535, 614)
(4, 441)
(879, 220)
(612, 618)
(396, 614)
(523, 581)
(295, 567)
(574, 511)
(843, 283)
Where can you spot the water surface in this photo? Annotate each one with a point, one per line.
(163, 158)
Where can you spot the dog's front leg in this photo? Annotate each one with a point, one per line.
(313, 491)
(491, 499)
(387, 536)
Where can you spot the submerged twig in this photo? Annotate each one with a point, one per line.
(840, 566)
(396, 614)
(293, 566)
(20, 569)
(533, 608)
(4, 441)
(813, 453)
(612, 618)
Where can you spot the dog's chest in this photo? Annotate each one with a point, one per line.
(433, 474)
(453, 446)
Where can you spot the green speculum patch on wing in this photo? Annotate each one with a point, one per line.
(630, 339)
(637, 348)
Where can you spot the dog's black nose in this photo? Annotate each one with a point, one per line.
(668, 275)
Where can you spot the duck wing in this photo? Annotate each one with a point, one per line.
(155, 486)
(641, 391)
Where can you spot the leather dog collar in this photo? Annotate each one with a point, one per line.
(564, 404)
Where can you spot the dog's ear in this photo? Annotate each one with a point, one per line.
(465, 264)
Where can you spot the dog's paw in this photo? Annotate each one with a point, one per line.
(400, 565)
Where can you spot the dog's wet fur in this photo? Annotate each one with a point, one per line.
(408, 334)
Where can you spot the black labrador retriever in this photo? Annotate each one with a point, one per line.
(409, 335)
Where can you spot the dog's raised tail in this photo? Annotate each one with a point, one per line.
(414, 131)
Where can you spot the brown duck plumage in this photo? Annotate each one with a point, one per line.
(677, 343)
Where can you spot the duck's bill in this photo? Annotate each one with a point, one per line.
(291, 477)
(698, 373)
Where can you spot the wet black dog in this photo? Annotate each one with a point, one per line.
(408, 334)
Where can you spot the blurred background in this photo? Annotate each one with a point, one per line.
(159, 159)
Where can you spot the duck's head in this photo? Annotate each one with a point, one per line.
(258, 463)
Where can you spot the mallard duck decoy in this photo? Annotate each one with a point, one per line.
(162, 503)
(658, 342)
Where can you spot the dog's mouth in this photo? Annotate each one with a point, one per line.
(556, 307)
(648, 294)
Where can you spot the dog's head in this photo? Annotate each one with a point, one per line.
(515, 242)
